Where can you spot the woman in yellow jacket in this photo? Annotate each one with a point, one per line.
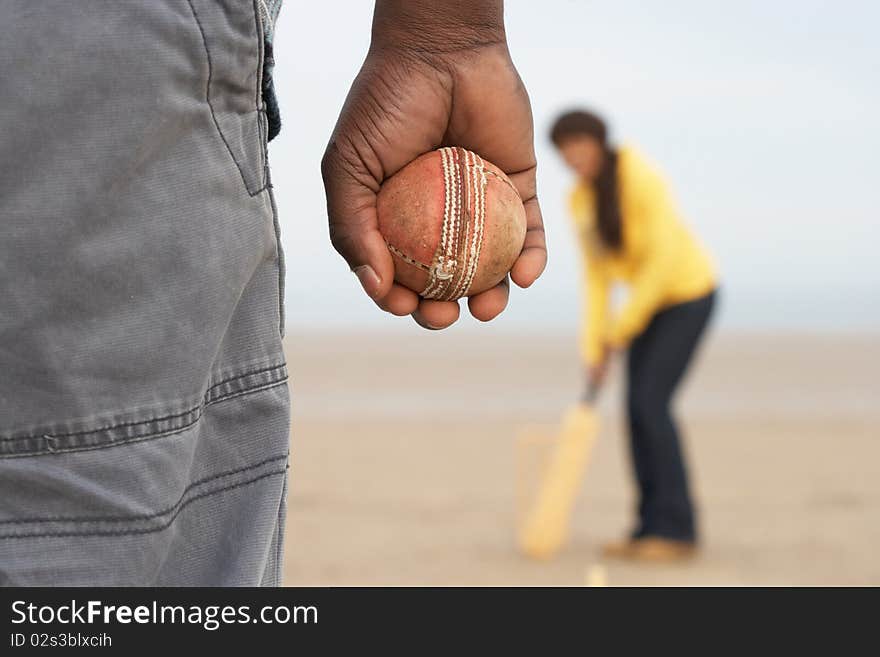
(630, 231)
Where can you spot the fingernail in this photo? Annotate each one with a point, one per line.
(424, 324)
(369, 280)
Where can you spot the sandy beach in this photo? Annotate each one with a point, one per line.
(405, 449)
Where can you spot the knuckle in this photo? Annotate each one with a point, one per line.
(329, 163)
(345, 161)
(339, 237)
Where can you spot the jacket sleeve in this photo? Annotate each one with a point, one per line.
(660, 245)
(594, 288)
(594, 322)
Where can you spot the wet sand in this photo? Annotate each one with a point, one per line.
(404, 455)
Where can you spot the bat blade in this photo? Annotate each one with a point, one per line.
(545, 526)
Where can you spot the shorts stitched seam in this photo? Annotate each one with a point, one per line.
(197, 411)
(279, 253)
(122, 425)
(144, 516)
(147, 530)
(126, 441)
(239, 376)
(279, 520)
(163, 418)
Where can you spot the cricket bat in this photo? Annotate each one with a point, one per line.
(545, 526)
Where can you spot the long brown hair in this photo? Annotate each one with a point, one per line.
(580, 123)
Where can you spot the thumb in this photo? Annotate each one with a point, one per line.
(354, 225)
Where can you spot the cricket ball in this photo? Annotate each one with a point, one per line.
(454, 224)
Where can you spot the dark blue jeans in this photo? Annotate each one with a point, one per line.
(658, 359)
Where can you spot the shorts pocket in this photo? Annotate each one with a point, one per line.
(232, 35)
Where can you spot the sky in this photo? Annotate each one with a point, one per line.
(762, 115)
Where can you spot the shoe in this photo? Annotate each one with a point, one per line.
(619, 549)
(651, 549)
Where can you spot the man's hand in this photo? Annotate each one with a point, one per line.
(437, 73)
(598, 372)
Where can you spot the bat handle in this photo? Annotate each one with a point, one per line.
(591, 393)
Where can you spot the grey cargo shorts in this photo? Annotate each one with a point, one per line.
(144, 406)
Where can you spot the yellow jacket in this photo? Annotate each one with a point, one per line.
(660, 260)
